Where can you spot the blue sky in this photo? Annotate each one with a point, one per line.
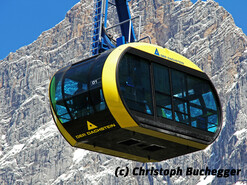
(21, 22)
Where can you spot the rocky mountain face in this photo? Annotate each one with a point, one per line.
(32, 151)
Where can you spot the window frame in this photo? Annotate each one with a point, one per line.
(146, 64)
(92, 61)
(155, 122)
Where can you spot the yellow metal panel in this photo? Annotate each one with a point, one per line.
(110, 90)
(167, 54)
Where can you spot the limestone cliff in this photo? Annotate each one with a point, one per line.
(32, 151)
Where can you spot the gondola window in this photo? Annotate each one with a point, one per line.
(134, 78)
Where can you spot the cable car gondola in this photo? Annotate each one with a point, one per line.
(138, 101)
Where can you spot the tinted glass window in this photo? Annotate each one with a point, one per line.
(194, 103)
(57, 98)
(162, 91)
(179, 91)
(203, 109)
(178, 84)
(178, 96)
(95, 85)
(83, 88)
(76, 90)
(134, 79)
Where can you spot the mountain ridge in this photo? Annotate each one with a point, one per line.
(32, 151)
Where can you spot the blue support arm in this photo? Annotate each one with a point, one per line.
(101, 41)
(123, 12)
